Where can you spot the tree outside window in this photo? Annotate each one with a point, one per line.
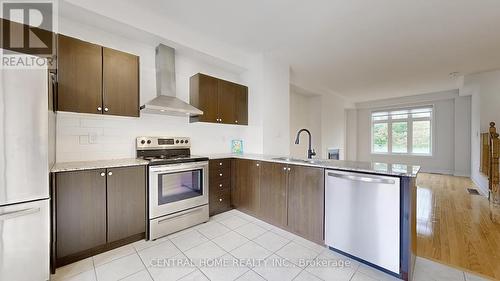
(402, 131)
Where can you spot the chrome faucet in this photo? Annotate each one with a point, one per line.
(310, 152)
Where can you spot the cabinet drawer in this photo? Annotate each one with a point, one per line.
(220, 164)
(217, 175)
(220, 201)
(220, 186)
(178, 221)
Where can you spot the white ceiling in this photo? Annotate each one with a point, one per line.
(361, 49)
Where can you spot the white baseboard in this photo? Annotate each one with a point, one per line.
(436, 171)
(483, 190)
(461, 174)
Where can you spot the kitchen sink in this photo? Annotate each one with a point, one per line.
(297, 160)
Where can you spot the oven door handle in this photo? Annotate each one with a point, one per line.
(178, 167)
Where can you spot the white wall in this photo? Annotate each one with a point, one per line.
(333, 124)
(462, 136)
(275, 106)
(485, 90)
(94, 137)
(351, 134)
(447, 125)
(305, 112)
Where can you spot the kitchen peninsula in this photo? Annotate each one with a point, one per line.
(314, 198)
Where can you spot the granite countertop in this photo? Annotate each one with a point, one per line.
(387, 169)
(97, 164)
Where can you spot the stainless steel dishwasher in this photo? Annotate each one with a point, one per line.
(362, 217)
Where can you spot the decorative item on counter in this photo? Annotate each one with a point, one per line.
(237, 146)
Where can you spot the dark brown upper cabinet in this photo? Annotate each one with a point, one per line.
(207, 101)
(241, 105)
(96, 79)
(79, 76)
(120, 83)
(221, 101)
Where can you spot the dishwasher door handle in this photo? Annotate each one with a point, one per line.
(364, 178)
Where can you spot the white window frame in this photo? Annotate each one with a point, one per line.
(410, 121)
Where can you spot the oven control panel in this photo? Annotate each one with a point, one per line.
(162, 142)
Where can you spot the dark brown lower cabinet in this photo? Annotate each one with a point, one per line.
(245, 191)
(126, 190)
(96, 210)
(287, 196)
(219, 186)
(273, 193)
(306, 201)
(81, 211)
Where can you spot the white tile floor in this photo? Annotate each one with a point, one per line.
(228, 238)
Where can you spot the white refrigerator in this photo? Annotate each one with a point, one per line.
(26, 150)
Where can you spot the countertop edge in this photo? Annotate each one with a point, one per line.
(330, 164)
(269, 158)
(96, 164)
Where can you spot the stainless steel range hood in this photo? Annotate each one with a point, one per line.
(166, 101)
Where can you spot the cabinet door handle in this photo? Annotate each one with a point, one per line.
(362, 178)
(110, 173)
(257, 164)
(284, 168)
(99, 108)
(106, 109)
(220, 185)
(289, 169)
(220, 164)
(11, 215)
(220, 199)
(236, 121)
(103, 174)
(220, 175)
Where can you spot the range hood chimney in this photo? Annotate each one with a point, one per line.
(166, 101)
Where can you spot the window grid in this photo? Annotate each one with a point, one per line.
(409, 141)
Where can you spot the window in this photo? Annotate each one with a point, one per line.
(402, 131)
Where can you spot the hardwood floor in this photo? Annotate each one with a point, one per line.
(456, 228)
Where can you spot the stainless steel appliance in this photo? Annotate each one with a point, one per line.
(166, 101)
(178, 184)
(362, 217)
(24, 174)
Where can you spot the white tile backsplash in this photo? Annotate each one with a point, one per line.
(83, 137)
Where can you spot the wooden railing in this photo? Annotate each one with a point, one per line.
(485, 154)
(493, 167)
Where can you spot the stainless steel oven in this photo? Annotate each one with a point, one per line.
(178, 184)
(177, 187)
